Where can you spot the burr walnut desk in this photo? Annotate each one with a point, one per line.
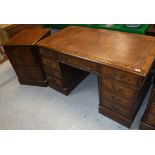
(24, 56)
(121, 60)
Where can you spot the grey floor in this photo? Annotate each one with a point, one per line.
(32, 107)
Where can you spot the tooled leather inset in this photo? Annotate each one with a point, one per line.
(131, 52)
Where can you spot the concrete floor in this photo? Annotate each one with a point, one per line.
(32, 107)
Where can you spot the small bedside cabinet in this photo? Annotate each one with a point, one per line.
(24, 56)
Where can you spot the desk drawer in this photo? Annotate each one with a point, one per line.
(118, 109)
(117, 99)
(152, 109)
(150, 119)
(122, 76)
(119, 89)
(51, 71)
(47, 53)
(79, 63)
(50, 62)
(54, 80)
(153, 96)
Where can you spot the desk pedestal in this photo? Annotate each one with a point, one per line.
(121, 102)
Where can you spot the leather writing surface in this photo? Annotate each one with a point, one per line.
(130, 52)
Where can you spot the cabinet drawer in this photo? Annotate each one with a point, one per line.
(47, 53)
(119, 89)
(117, 99)
(29, 72)
(152, 109)
(21, 55)
(54, 80)
(150, 119)
(79, 63)
(118, 109)
(122, 76)
(50, 63)
(153, 96)
(51, 71)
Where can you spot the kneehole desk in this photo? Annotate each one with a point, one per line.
(121, 60)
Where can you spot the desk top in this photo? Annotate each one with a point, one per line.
(130, 52)
(27, 37)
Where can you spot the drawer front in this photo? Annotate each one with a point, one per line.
(150, 119)
(29, 73)
(122, 76)
(54, 80)
(117, 99)
(79, 63)
(118, 109)
(21, 55)
(153, 96)
(47, 53)
(50, 63)
(152, 109)
(119, 89)
(51, 71)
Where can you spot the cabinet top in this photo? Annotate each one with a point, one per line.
(27, 37)
(3, 26)
(130, 52)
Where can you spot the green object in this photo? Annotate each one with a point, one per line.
(115, 27)
(61, 26)
(55, 26)
(84, 25)
(123, 28)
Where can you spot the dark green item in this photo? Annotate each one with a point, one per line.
(116, 27)
(122, 27)
(84, 25)
(61, 26)
(55, 26)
